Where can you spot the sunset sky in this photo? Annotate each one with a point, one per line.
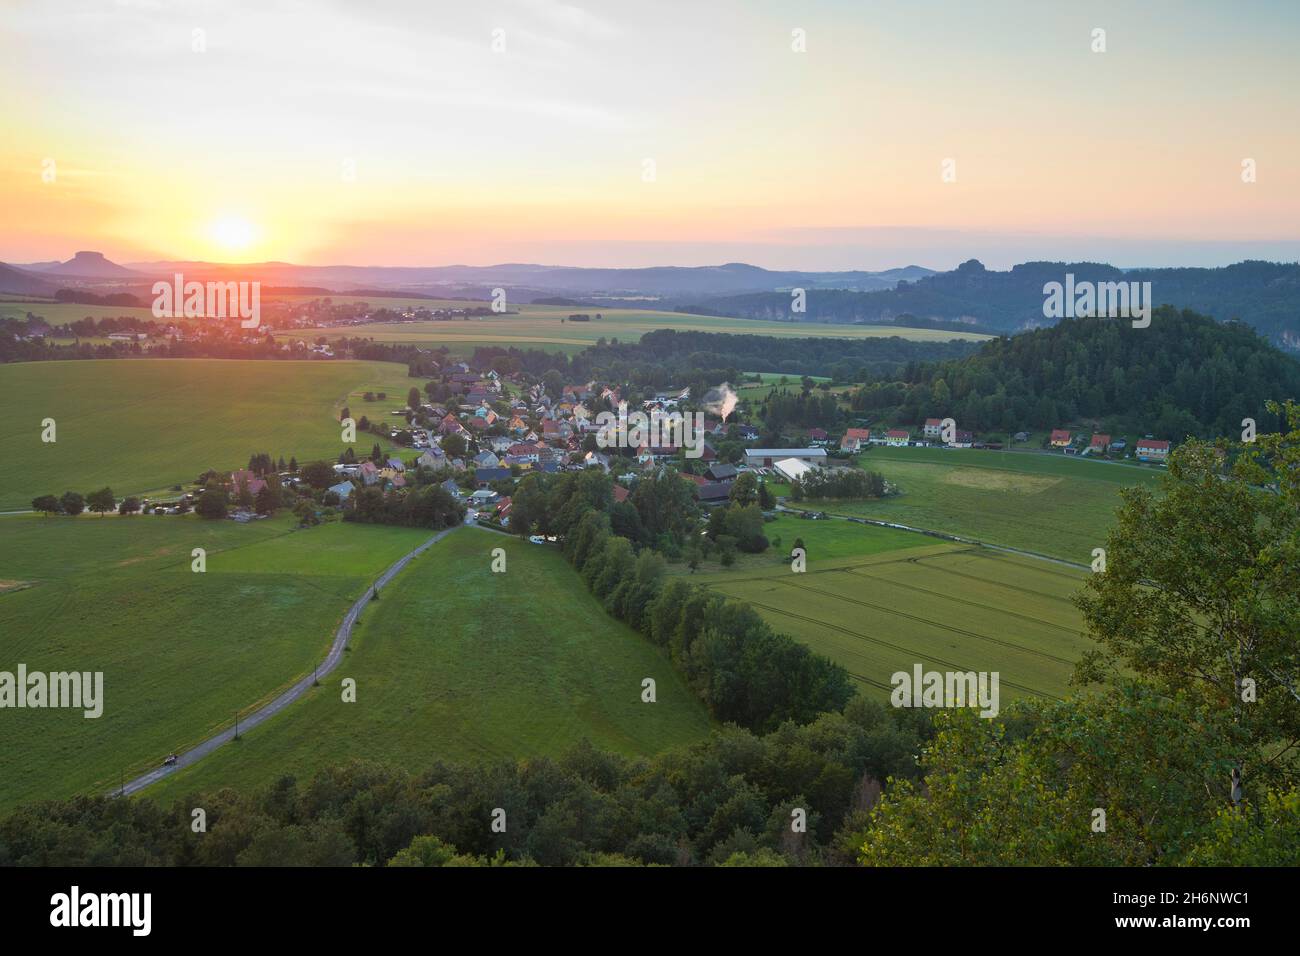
(387, 133)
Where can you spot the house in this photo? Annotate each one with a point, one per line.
(451, 488)
(369, 473)
(723, 473)
(485, 475)
(621, 494)
(1149, 449)
(897, 436)
(1119, 444)
(522, 451)
(713, 493)
(396, 464)
(1060, 438)
(485, 459)
(1098, 444)
(817, 436)
(767, 457)
(933, 427)
(246, 477)
(853, 439)
(343, 489)
(793, 469)
(961, 439)
(484, 496)
(433, 458)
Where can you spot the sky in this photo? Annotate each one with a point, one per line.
(796, 135)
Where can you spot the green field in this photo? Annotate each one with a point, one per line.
(541, 326)
(59, 313)
(458, 663)
(822, 540)
(946, 607)
(142, 425)
(180, 651)
(1049, 504)
(526, 326)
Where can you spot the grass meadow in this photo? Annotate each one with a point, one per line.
(143, 425)
(458, 663)
(1049, 504)
(947, 607)
(180, 651)
(545, 327)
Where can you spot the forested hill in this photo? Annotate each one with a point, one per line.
(1264, 295)
(1184, 375)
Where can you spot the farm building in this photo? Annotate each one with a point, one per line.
(1149, 449)
(767, 457)
(1060, 438)
(853, 439)
(792, 469)
(713, 493)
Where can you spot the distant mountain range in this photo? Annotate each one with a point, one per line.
(1265, 295)
(88, 265)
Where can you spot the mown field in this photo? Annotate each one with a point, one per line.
(180, 651)
(1049, 504)
(822, 540)
(142, 425)
(458, 663)
(541, 326)
(947, 607)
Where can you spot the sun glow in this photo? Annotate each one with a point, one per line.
(233, 233)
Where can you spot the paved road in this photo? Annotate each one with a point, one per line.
(341, 638)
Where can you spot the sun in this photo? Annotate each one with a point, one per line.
(233, 233)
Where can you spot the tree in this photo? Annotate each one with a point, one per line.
(266, 501)
(1201, 592)
(129, 506)
(243, 496)
(744, 490)
(454, 445)
(212, 504)
(47, 504)
(305, 512)
(72, 503)
(101, 501)
(413, 398)
(318, 474)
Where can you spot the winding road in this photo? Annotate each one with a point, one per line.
(298, 690)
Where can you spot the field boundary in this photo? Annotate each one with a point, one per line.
(930, 532)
